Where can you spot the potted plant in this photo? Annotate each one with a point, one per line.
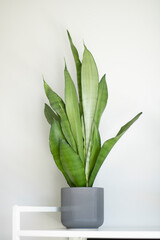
(75, 141)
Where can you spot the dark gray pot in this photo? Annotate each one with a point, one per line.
(82, 207)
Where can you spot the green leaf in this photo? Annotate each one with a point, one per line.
(83, 134)
(59, 107)
(67, 131)
(106, 148)
(55, 101)
(50, 114)
(127, 125)
(72, 109)
(78, 68)
(89, 81)
(95, 148)
(55, 137)
(102, 99)
(72, 164)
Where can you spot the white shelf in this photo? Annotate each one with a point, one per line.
(77, 234)
(94, 233)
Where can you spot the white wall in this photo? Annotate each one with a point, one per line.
(124, 37)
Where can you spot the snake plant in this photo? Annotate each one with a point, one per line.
(74, 139)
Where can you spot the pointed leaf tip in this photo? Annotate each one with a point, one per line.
(65, 64)
(44, 83)
(69, 36)
(84, 45)
(43, 78)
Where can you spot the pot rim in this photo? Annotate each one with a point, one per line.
(82, 188)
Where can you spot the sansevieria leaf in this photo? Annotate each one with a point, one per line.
(106, 148)
(95, 147)
(89, 81)
(72, 164)
(59, 107)
(72, 109)
(102, 99)
(55, 101)
(50, 114)
(78, 68)
(55, 138)
(83, 134)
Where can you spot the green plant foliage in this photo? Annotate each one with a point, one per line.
(59, 107)
(74, 139)
(50, 114)
(72, 164)
(89, 81)
(102, 99)
(78, 69)
(55, 138)
(73, 113)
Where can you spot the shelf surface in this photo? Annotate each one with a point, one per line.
(147, 233)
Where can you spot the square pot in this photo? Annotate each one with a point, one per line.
(82, 207)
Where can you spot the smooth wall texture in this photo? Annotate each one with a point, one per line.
(124, 38)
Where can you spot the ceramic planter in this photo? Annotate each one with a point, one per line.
(82, 207)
